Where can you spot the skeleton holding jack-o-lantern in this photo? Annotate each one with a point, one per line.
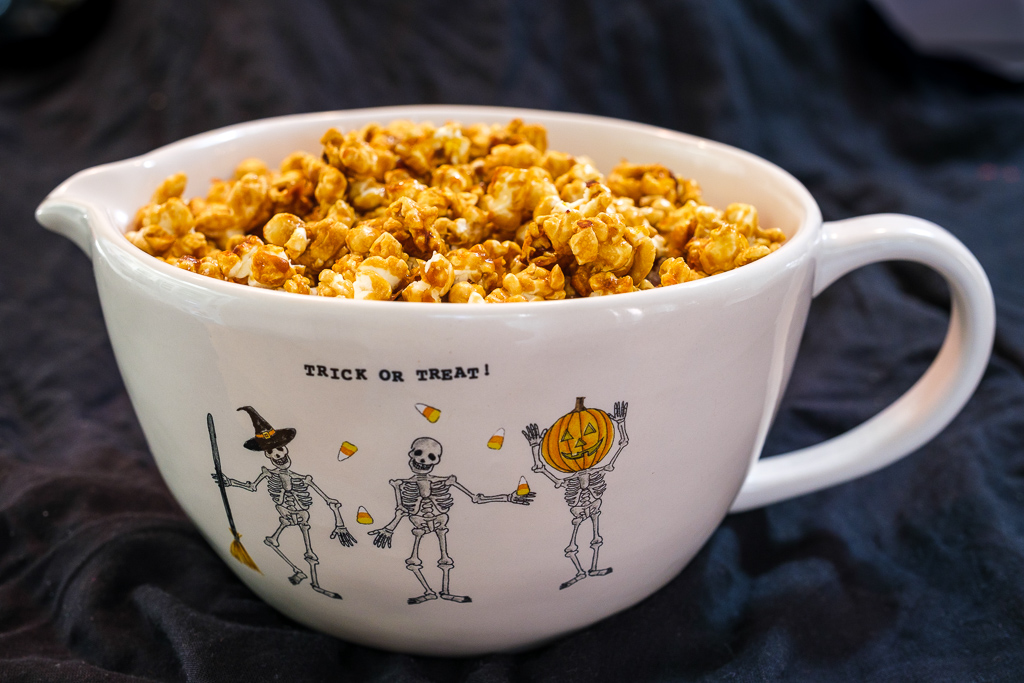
(573, 446)
(425, 499)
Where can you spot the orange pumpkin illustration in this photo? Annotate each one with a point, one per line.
(578, 440)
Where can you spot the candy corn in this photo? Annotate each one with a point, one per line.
(523, 487)
(363, 517)
(497, 440)
(429, 412)
(346, 450)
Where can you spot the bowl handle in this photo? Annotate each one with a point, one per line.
(928, 406)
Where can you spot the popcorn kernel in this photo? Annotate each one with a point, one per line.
(452, 213)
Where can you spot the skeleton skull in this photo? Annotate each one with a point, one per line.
(424, 454)
(279, 457)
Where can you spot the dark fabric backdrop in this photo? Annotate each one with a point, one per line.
(913, 573)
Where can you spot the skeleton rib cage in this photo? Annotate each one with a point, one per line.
(293, 495)
(576, 495)
(411, 497)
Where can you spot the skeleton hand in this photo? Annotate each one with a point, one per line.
(343, 535)
(383, 537)
(619, 412)
(532, 434)
(223, 481)
(521, 500)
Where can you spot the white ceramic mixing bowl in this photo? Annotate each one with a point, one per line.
(679, 387)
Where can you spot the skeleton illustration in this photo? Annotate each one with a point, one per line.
(426, 499)
(291, 493)
(577, 442)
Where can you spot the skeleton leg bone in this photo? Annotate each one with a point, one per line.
(446, 563)
(313, 560)
(273, 542)
(415, 565)
(596, 545)
(572, 550)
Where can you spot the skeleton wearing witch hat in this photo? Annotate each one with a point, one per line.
(292, 496)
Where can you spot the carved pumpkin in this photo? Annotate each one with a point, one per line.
(578, 440)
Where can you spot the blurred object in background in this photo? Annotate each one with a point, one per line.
(36, 33)
(989, 33)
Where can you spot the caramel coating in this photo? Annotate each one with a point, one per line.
(454, 213)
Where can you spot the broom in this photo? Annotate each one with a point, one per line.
(237, 550)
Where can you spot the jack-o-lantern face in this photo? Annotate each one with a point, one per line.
(578, 440)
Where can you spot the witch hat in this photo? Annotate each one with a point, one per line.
(267, 438)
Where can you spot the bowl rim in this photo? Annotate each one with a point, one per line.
(105, 234)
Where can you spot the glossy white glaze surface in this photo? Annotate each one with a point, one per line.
(702, 367)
